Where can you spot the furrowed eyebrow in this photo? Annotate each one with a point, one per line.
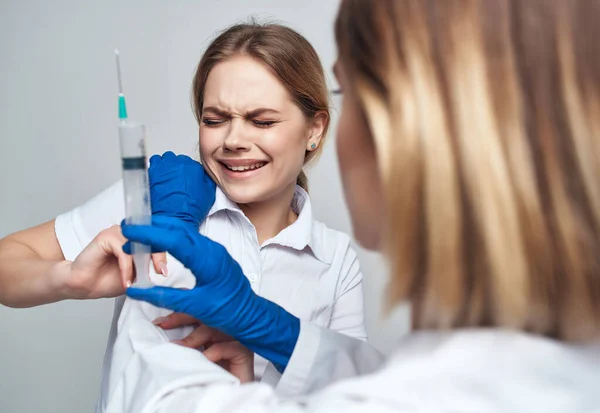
(250, 114)
(260, 111)
(214, 110)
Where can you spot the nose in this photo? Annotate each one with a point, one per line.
(235, 141)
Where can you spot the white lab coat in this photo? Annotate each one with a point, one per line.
(470, 371)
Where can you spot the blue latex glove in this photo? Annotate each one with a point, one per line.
(222, 297)
(180, 188)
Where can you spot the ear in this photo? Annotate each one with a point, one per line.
(316, 130)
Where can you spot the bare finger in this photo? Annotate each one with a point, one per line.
(159, 259)
(198, 338)
(113, 243)
(234, 357)
(175, 320)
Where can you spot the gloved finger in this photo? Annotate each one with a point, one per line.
(165, 297)
(169, 156)
(154, 160)
(186, 160)
(161, 239)
(175, 320)
(159, 259)
(173, 235)
(193, 250)
(199, 337)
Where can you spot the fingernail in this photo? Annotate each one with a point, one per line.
(163, 269)
(128, 284)
(160, 320)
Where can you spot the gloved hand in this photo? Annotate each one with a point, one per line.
(180, 188)
(222, 297)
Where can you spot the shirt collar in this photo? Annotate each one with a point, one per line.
(299, 235)
(223, 203)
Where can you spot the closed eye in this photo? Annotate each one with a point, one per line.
(212, 122)
(264, 123)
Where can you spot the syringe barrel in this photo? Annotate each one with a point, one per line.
(132, 138)
(137, 193)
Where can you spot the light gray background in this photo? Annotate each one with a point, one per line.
(58, 147)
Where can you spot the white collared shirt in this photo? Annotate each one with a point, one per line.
(308, 269)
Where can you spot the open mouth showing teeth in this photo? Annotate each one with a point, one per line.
(245, 168)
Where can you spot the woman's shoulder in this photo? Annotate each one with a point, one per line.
(332, 235)
(106, 207)
(76, 228)
(333, 245)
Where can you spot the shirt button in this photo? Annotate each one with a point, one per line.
(252, 277)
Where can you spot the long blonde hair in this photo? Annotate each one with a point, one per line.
(486, 118)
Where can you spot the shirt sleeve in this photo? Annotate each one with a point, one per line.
(347, 316)
(77, 228)
(322, 357)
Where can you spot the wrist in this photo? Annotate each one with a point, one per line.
(62, 281)
(278, 336)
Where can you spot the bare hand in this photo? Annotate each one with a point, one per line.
(215, 345)
(102, 269)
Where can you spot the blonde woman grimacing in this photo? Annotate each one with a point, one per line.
(261, 101)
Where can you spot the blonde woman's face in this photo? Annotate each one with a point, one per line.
(358, 167)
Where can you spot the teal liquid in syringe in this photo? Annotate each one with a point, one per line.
(132, 140)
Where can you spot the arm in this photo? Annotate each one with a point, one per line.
(29, 278)
(46, 263)
(347, 315)
(33, 269)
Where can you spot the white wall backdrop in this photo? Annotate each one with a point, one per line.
(58, 147)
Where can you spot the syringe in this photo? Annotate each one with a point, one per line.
(132, 137)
